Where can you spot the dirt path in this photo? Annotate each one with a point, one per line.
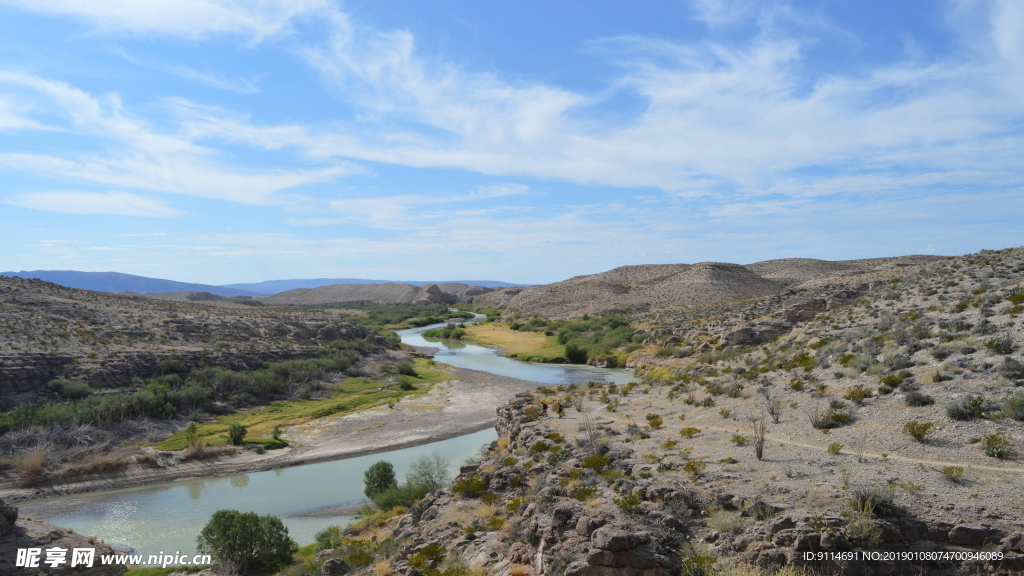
(464, 404)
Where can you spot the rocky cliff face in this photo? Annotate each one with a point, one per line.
(25, 533)
(541, 503)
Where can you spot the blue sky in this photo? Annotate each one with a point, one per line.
(228, 141)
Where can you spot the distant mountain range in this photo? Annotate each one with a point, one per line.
(278, 286)
(118, 282)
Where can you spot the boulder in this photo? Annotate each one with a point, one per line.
(335, 567)
(611, 539)
(971, 535)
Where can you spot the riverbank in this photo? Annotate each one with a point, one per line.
(464, 403)
(528, 346)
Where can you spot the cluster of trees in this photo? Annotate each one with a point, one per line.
(451, 332)
(379, 316)
(179, 392)
(425, 475)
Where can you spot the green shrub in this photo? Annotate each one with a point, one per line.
(835, 448)
(247, 542)
(954, 474)
(740, 440)
(596, 462)
(689, 432)
(628, 503)
(694, 468)
(996, 445)
(857, 394)
(406, 368)
(654, 421)
(69, 389)
(917, 430)
(469, 486)
(236, 433)
(723, 521)
(761, 511)
(1001, 345)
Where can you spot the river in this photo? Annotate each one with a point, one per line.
(167, 517)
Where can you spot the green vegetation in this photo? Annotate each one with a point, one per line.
(236, 433)
(573, 341)
(917, 430)
(425, 475)
(246, 542)
(449, 332)
(382, 316)
(378, 478)
(346, 396)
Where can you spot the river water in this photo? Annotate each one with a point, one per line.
(167, 517)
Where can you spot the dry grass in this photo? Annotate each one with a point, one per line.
(486, 511)
(383, 568)
(100, 463)
(31, 469)
(520, 570)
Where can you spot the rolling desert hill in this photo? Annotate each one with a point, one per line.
(390, 293)
(269, 287)
(631, 289)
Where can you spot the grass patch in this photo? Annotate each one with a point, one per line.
(533, 346)
(347, 396)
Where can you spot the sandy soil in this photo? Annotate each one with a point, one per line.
(462, 405)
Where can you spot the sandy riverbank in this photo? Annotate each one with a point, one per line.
(464, 404)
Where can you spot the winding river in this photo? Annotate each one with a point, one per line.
(167, 517)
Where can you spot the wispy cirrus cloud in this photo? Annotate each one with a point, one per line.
(111, 203)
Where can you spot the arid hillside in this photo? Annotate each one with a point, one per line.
(634, 289)
(390, 293)
(48, 331)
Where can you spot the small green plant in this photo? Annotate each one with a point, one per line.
(628, 503)
(695, 468)
(761, 511)
(725, 412)
(996, 445)
(276, 433)
(917, 430)
(469, 486)
(954, 474)
(740, 440)
(192, 441)
(707, 402)
(835, 448)
(857, 394)
(689, 432)
(236, 433)
(654, 421)
(596, 462)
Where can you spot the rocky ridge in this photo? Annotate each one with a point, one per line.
(389, 293)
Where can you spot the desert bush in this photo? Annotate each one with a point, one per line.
(69, 389)
(873, 501)
(996, 445)
(689, 432)
(1011, 369)
(1013, 407)
(694, 468)
(724, 521)
(1001, 345)
(917, 430)
(833, 417)
(917, 399)
(954, 474)
(574, 354)
(469, 486)
(596, 462)
(654, 421)
(835, 448)
(863, 533)
(941, 353)
(236, 434)
(966, 408)
(740, 440)
(406, 368)
(774, 408)
(761, 511)
(628, 503)
(857, 394)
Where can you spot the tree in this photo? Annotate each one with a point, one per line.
(246, 542)
(379, 478)
(574, 354)
(429, 472)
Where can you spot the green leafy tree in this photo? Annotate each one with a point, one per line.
(429, 472)
(574, 354)
(246, 542)
(379, 478)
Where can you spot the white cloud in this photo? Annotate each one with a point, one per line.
(114, 203)
(257, 19)
(143, 157)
